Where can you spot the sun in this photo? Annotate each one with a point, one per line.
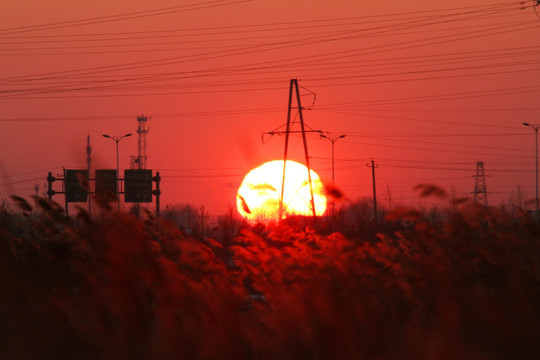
(260, 191)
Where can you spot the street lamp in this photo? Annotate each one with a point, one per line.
(117, 140)
(333, 140)
(535, 127)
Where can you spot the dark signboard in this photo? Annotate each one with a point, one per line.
(137, 186)
(106, 184)
(76, 183)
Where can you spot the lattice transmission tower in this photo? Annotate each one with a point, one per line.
(480, 192)
(294, 94)
(139, 161)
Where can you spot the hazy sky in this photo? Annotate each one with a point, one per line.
(424, 88)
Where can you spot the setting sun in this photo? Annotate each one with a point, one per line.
(259, 194)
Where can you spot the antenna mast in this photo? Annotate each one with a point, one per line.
(139, 161)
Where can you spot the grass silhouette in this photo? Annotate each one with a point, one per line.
(119, 287)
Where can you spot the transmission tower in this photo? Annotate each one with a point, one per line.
(293, 87)
(139, 161)
(480, 192)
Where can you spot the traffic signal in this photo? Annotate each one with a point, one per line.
(50, 180)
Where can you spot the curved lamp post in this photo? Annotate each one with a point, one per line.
(333, 140)
(117, 140)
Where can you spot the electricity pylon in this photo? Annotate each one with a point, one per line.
(480, 192)
(293, 86)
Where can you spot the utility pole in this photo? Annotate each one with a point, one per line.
(202, 221)
(288, 130)
(373, 166)
(535, 127)
(188, 218)
(88, 161)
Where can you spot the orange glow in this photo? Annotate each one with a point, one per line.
(259, 194)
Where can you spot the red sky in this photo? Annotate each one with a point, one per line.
(424, 88)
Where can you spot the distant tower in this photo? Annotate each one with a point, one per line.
(480, 192)
(139, 161)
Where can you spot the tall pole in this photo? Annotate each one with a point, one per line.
(117, 140)
(117, 176)
(64, 189)
(373, 166)
(88, 161)
(157, 192)
(333, 140)
(535, 127)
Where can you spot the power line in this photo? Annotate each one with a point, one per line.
(430, 135)
(424, 149)
(154, 115)
(449, 96)
(216, 3)
(245, 50)
(121, 17)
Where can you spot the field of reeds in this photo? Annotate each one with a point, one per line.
(118, 287)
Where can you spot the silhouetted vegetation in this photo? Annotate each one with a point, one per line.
(465, 285)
